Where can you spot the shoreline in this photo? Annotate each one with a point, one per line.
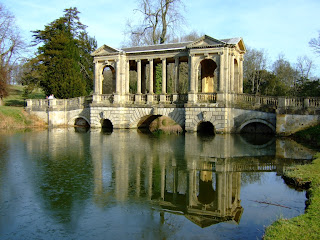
(305, 226)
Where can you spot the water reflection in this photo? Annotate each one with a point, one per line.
(74, 173)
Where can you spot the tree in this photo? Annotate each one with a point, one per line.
(10, 45)
(286, 74)
(315, 44)
(254, 70)
(63, 62)
(159, 18)
(304, 66)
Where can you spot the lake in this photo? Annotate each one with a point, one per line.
(89, 184)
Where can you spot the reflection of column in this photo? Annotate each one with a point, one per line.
(138, 174)
(229, 190)
(151, 76)
(164, 76)
(176, 76)
(121, 175)
(163, 177)
(150, 169)
(139, 76)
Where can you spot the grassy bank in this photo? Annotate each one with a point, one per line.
(18, 118)
(306, 226)
(12, 114)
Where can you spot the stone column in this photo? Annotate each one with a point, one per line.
(127, 76)
(221, 76)
(176, 76)
(192, 74)
(118, 80)
(241, 74)
(232, 73)
(139, 76)
(164, 76)
(150, 95)
(151, 76)
(97, 77)
(192, 93)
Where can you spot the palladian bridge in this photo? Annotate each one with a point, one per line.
(214, 69)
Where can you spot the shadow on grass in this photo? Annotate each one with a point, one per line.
(15, 103)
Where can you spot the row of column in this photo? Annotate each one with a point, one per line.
(230, 74)
(151, 75)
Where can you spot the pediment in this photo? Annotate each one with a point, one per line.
(104, 50)
(205, 41)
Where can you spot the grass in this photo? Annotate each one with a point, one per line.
(13, 115)
(310, 136)
(16, 96)
(306, 226)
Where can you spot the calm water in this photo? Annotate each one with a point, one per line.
(65, 184)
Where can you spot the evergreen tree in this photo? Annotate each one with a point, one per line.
(63, 61)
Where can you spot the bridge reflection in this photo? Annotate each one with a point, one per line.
(181, 175)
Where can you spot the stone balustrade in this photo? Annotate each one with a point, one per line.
(245, 101)
(207, 97)
(58, 104)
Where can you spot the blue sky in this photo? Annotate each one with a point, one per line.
(277, 26)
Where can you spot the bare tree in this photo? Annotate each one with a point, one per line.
(304, 66)
(159, 19)
(315, 44)
(10, 44)
(254, 68)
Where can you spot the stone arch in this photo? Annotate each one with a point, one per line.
(97, 119)
(108, 79)
(205, 127)
(107, 125)
(257, 123)
(81, 121)
(176, 114)
(72, 120)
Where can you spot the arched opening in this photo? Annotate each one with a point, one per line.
(257, 133)
(257, 127)
(81, 122)
(158, 123)
(206, 128)
(107, 125)
(109, 80)
(207, 82)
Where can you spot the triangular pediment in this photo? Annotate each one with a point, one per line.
(237, 42)
(104, 50)
(205, 41)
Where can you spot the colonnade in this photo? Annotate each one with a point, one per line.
(227, 72)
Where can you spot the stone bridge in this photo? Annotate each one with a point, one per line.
(242, 112)
(126, 92)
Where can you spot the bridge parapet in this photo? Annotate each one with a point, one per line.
(58, 104)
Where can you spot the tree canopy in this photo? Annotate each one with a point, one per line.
(63, 63)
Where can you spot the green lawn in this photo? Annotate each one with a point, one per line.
(16, 97)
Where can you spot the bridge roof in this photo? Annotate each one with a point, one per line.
(203, 42)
